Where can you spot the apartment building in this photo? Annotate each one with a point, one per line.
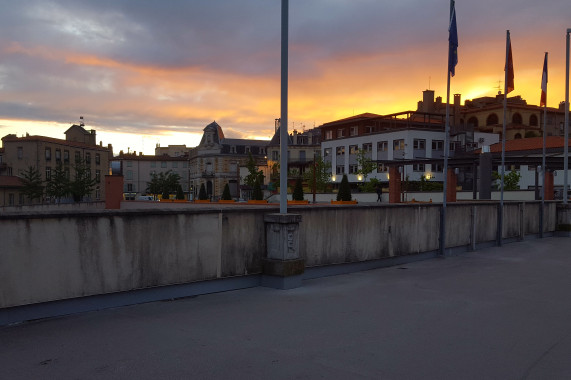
(46, 154)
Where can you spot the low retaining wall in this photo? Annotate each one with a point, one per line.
(62, 255)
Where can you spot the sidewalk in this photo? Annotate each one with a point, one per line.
(501, 313)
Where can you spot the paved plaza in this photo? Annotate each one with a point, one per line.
(498, 313)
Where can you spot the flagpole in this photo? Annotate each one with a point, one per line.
(501, 212)
(544, 169)
(452, 61)
(566, 129)
(283, 110)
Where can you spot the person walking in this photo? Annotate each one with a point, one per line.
(379, 194)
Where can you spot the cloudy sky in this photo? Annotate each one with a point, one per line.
(144, 72)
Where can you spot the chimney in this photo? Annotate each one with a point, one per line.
(81, 123)
(428, 101)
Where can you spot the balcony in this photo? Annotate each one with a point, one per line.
(208, 174)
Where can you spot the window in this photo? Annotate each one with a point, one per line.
(382, 146)
(398, 144)
(66, 156)
(129, 164)
(66, 173)
(58, 155)
(185, 164)
(130, 187)
(97, 159)
(418, 167)
(340, 150)
(353, 149)
(153, 164)
(11, 199)
(262, 150)
(97, 193)
(48, 173)
(248, 150)
(492, 119)
(437, 144)
(129, 175)
(48, 154)
(328, 135)
(326, 152)
(175, 165)
(368, 129)
(340, 169)
(275, 155)
(382, 168)
(163, 164)
(98, 175)
(517, 119)
(88, 158)
(77, 157)
(232, 149)
(438, 168)
(340, 133)
(368, 147)
(353, 169)
(354, 131)
(419, 144)
(533, 120)
(20, 152)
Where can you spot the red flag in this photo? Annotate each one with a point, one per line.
(543, 101)
(509, 67)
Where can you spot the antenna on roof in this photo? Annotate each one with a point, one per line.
(499, 87)
(429, 78)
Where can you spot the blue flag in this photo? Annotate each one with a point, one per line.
(452, 41)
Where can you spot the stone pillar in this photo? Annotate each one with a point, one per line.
(394, 185)
(113, 191)
(283, 267)
(452, 181)
(549, 186)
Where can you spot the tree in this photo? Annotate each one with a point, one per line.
(511, 180)
(344, 193)
(253, 173)
(226, 193)
(297, 190)
(257, 193)
(366, 166)
(33, 187)
(322, 172)
(82, 183)
(163, 183)
(59, 185)
(202, 193)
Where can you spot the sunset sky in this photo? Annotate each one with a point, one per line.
(146, 72)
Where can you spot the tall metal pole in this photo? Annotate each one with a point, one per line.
(543, 170)
(283, 110)
(566, 129)
(501, 213)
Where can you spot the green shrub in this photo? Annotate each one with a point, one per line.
(226, 193)
(297, 190)
(202, 193)
(344, 193)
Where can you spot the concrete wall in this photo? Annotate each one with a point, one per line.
(61, 255)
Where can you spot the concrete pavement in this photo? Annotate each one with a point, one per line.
(499, 313)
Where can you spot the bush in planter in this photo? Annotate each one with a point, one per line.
(202, 193)
(344, 193)
(297, 190)
(179, 193)
(257, 194)
(166, 195)
(226, 193)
